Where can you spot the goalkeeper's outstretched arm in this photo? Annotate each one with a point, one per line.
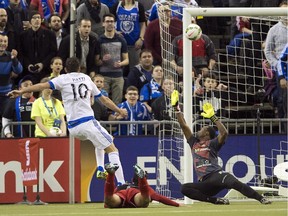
(223, 133)
(185, 128)
(208, 112)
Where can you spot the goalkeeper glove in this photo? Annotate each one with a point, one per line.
(208, 112)
(174, 100)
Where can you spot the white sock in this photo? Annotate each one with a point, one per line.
(114, 159)
(100, 157)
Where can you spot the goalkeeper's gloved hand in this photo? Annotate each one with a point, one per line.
(175, 100)
(208, 112)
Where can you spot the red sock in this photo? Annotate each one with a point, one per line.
(143, 187)
(109, 185)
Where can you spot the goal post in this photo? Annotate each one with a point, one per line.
(187, 63)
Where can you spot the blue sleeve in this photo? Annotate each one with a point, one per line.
(17, 66)
(153, 14)
(97, 96)
(52, 86)
(144, 93)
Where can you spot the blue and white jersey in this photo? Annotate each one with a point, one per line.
(76, 90)
(138, 112)
(176, 9)
(128, 23)
(283, 63)
(109, 3)
(4, 4)
(150, 91)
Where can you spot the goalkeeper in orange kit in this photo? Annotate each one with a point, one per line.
(205, 146)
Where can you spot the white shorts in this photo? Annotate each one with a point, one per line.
(93, 131)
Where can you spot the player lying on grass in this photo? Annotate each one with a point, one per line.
(131, 195)
(205, 146)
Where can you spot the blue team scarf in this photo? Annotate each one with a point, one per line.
(18, 115)
(24, 4)
(57, 6)
(4, 3)
(46, 9)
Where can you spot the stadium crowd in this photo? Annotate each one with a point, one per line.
(118, 44)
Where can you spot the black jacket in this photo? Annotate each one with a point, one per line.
(64, 51)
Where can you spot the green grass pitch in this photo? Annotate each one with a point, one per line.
(252, 208)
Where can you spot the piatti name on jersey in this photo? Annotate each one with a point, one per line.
(79, 79)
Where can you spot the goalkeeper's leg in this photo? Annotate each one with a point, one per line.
(234, 183)
(201, 191)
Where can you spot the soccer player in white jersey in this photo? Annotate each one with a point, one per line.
(76, 90)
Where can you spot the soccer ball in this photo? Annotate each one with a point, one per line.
(55, 131)
(193, 32)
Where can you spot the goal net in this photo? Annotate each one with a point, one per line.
(239, 69)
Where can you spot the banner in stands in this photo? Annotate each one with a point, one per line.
(53, 171)
(239, 156)
(29, 158)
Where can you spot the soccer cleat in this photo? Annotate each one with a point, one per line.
(265, 201)
(138, 171)
(222, 201)
(111, 168)
(101, 174)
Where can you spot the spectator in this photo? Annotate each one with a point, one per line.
(7, 29)
(147, 4)
(237, 3)
(48, 112)
(94, 11)
(111, 57)
(137, 111)
(244, 29)
(141, 73)
(56, 26)
(253, 50)
(98, 80)
(152, 90)
(136, 195)
(39, 48)
(203, 54)
(276, 54)
(9, 67)
(109, 3)
(17, 15)
(56, 67)
(18, 110)
(152, 39)
(131, 23)
(176, 7)
(4, 4)
(209, 89)
(161, 107)
(48, 7)
(86, 45)
(101, 112)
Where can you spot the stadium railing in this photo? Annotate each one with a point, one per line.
(235, 126)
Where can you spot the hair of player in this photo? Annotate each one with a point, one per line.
(72, 65)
